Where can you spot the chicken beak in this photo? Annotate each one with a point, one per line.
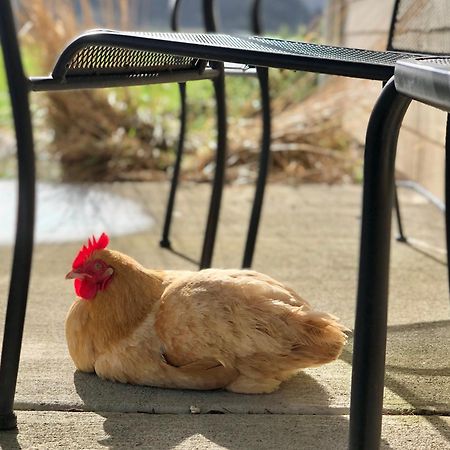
(73, 274)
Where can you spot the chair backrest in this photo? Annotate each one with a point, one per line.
(17, 81)
(174, 7)
(209, 14)
(420, 26)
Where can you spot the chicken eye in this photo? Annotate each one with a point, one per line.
(97, 266)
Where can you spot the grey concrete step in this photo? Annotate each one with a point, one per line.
(56, 430)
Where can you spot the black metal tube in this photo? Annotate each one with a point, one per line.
(165, 241)
(45, 84)
(447, 192)
(18, 291)
(219, 175)
(209, 16)
(419, 189)
(256, 17)
(401, 235)
(371, 309)
(175, 14)
(389, 45)
(264, 161)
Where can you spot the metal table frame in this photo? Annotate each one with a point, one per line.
(426, 79)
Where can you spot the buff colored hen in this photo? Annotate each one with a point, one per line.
(234, 329)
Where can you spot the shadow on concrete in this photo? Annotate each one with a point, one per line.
(413, 352)
(229, 420)
(8, 440)
(424, 250)
(249, 433)
(183, 256)
(302, 394)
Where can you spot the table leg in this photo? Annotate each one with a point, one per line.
(23, 248)
(371, 309)
(447, 194)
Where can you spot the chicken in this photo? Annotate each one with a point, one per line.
(238, 330)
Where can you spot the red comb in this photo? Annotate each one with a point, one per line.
(93, 245)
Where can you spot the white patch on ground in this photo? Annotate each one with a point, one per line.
(67, 212)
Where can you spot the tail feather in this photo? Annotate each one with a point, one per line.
(319, 337)
(293, 338)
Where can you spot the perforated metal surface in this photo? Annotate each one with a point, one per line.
(103, 59)
(117, 59)
(441, 62)
(422, 26)
(106, 52)
(332, 53)
(279, 46)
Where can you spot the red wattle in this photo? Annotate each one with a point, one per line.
(85, 289)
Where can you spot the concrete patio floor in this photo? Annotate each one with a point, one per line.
(309, 239)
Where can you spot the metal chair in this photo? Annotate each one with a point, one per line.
(202, 52)
(414, 31)
(427, 80)
(266, 118)
(210, 22)
(219, 173)
(165, 241)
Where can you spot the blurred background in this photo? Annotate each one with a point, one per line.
(131, 134)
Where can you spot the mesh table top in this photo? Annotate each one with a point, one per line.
(108, 52)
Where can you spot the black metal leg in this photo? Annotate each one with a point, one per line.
(18, 292)
(263, 77)
(20, 276)
(219, 175)
(209, 16)
(174, 14)
(371, 311)
(401, 235)
(447, 192)
(165, 241)
(256, 17)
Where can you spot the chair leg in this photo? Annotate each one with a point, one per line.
(165, 241)
(23, 248)
(219, 175)
(17, 299)
(371, 309)
(447, 192)
(264, 160)
(401, 235)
